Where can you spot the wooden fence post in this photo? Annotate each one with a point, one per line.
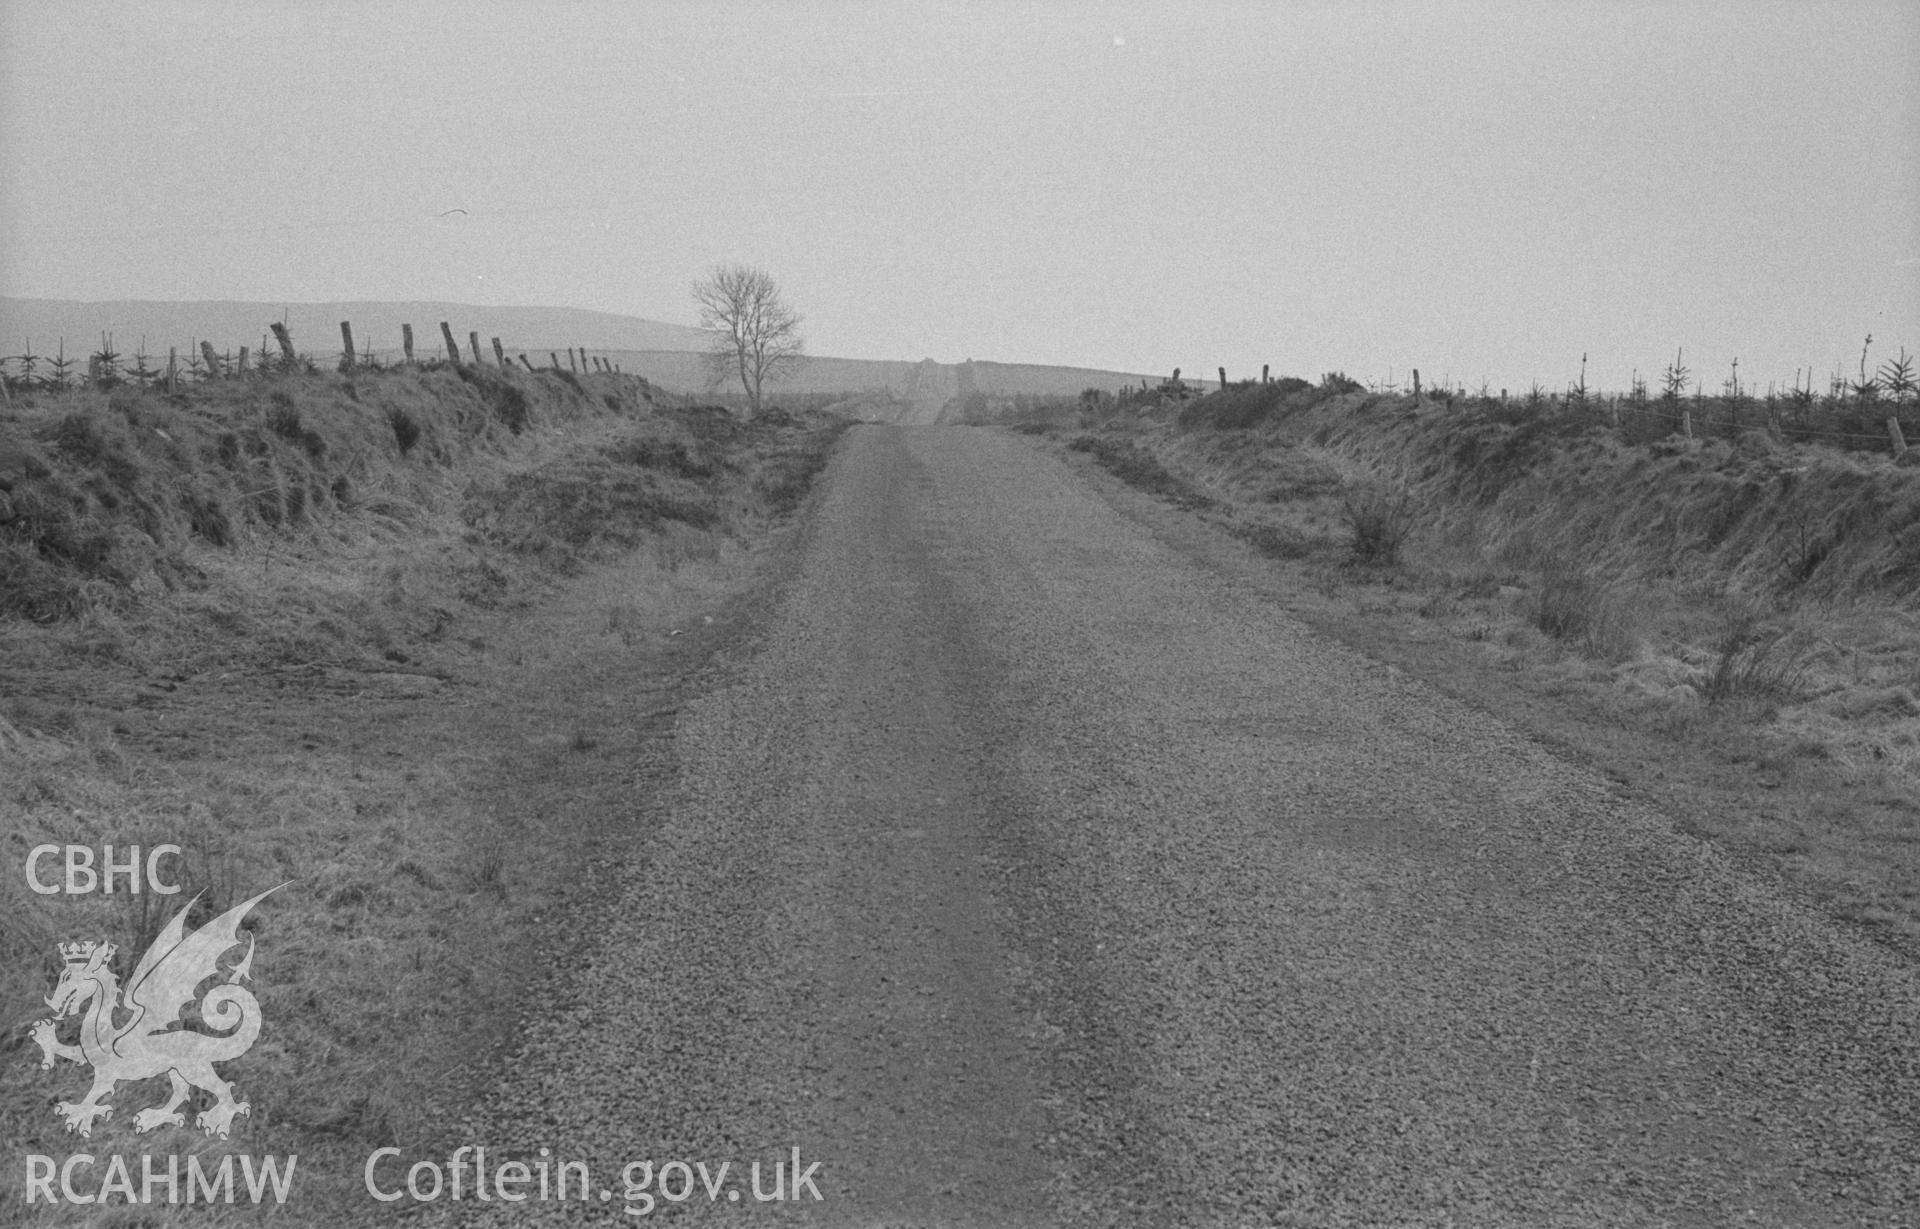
(1686, 423)
(499, 353)
(242, 368)
(1894, 434)
(1416, 384)
(346, 346)
(473, 342)
(1223, 378)
(173, 370)
(1264, 367)
(555, 356)
(570, 360)
(406, 340)
(285, 339)
(453, 347)
(213, 361)
(525, 363)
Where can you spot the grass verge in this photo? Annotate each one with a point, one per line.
(424, 703)
(1726, 626)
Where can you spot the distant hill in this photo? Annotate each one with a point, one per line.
(316, 326)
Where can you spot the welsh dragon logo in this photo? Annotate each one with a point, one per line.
(153, 1037)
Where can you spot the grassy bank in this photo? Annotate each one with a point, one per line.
(361, 635)
(1748, 598)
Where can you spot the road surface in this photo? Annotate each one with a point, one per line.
(1024, 872)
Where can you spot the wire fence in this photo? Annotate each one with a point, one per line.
(1856, 423)
(1852, 423)
(1860, 416)
(109, 368)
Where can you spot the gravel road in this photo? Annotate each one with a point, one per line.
(1020, 871)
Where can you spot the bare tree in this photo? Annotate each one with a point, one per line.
(759, 334)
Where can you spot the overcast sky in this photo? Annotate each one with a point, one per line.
(1480, 190)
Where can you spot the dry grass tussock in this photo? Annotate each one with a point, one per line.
(1379, 516)
(1583, 608)
(263, 622)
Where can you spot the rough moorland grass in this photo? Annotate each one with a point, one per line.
(672, 467)
(1292, 475)
(103, 494)
(1748, 514)
(566, 508)
(1240, 406)
(250, 715)
(1757, 660)
(1138, 467)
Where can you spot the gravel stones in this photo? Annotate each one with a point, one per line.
(1028, 873)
